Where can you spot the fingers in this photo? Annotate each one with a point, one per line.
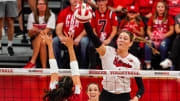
(69, 35)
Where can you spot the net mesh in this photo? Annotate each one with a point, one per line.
(27, 87)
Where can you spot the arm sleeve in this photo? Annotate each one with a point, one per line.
(140, 85)
(97, 43)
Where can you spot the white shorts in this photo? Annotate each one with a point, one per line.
(8, 9)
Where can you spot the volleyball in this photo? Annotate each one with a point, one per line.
(83, 12)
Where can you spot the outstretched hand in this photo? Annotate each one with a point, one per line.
(68, 42)
(47, 38)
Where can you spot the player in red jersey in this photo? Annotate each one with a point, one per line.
(68, 88)
(93, 91)
(104, 22)
(67, 23)
(160, 28)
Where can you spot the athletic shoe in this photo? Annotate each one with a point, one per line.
(166, 63)
(19, 34)
(30, 65)
(10, 51)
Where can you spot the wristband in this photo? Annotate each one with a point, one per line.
(139, 96)
(74, 68)
(53, 66)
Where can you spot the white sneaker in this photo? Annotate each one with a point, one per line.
(166, 63)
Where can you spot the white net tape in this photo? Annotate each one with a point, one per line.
(85, 72)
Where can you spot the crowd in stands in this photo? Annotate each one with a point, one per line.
(155, 20)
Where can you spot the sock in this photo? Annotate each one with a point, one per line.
(9, 43)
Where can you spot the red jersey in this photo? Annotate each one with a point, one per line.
(65, 16)
(123, 3)
(159, 26)
(103, 23)
(174, 7)
(75, 97)
(130, 25)
(146, 6)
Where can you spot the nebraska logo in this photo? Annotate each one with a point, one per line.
(6, 70)
(119, 63)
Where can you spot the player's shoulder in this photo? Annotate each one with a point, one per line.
(111, 49)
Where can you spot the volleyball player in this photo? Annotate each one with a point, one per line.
(117, 88)
(64, 90)
(93, 92)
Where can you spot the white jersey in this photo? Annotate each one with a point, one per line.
(50, 24)
(112, 61)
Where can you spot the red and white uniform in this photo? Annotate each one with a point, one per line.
(130, 25)
(103, 23)
(174, 7)
(159, 26)
(66, 17)
(146, 6)
(112, 61)
(75, 97)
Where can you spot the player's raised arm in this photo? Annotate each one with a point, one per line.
(73, 61)
(52, 61)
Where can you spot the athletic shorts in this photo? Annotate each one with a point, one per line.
(107, 96)
(8, 9)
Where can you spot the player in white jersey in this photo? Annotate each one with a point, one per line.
(117, 88)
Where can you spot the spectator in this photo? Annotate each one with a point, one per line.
(8, 10)
(146, 9)
(120, 6)
(104, 22)
(42, 20)
(174, 58)
(93, 92)
(31, 4)
(160, 28)
(134, 24)
(67, 23)
(174, 7)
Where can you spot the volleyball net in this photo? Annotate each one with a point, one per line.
(17, 84)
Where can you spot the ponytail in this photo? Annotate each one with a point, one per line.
(54, 95)
(140, 39)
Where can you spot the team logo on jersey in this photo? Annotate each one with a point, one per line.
(119, 63)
